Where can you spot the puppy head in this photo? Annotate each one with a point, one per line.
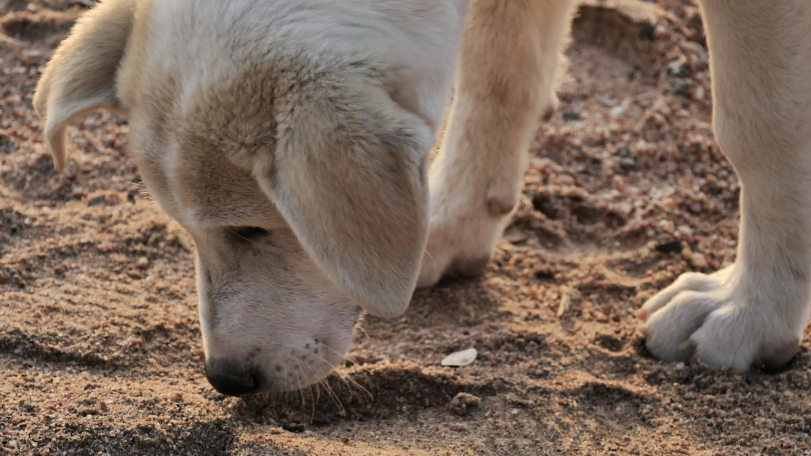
(300, 179)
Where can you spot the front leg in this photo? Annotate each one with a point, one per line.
(510, 54)
(753, 312)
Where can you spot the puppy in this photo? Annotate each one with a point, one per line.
(290, 138)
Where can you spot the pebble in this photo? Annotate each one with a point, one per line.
(679, 87)
(686, 230)
(463, 403)
(295, 428)
(460, 358)
(143, 262)
(687, 254)
(699, 261)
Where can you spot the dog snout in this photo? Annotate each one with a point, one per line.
(232, 378)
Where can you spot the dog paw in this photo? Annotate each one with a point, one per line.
(462, 234)
(718, 320)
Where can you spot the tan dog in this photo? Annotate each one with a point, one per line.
(291, 138)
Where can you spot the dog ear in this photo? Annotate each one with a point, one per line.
(349, 176)
(81, 76)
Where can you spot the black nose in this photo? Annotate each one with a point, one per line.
(231, 378)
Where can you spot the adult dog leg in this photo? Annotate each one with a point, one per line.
(753, 312)
(507, 70)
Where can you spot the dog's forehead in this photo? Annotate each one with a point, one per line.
(186, 152)
(222, 121)
(218, 192)
(196, 184)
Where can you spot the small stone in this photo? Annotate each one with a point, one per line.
(143, 262)
(687, 254)
(459, 427)
(567, 296)
(516, 237)
(296, 428)
(463, 403)
(460, 358)
(627, 163)
(677, 68)
(679, 87)
(686, 230)
(698, 93)
(698, 261)
(565, 179)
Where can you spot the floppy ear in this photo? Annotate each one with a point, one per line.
(348, 175)
(81, 76)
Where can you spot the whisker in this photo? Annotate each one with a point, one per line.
(360, 328)
(313, 399)
(318, 390)
(431, 257)
(288, 393)
(332, 366)
(346, 379)
(298, 384)
(310, 389)
(329, 389)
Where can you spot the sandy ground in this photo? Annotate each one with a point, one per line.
(100, 349)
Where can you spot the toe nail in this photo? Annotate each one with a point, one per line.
(645, 331)
(472, 267)
(779, 357)
(688, 346)
(641, 314)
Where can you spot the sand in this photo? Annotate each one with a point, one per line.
(100, 348)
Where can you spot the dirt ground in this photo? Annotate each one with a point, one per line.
(100, 348)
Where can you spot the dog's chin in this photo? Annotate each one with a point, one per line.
(308, 375)
(305, 365)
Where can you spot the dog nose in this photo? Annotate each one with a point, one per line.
(231, 378)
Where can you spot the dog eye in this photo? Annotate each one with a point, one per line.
(248, 233)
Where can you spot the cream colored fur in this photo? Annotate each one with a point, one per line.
(507, 73)
(291, 139)
(753, 312)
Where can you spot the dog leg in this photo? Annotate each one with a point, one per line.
(508, 66)
(754, 312)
